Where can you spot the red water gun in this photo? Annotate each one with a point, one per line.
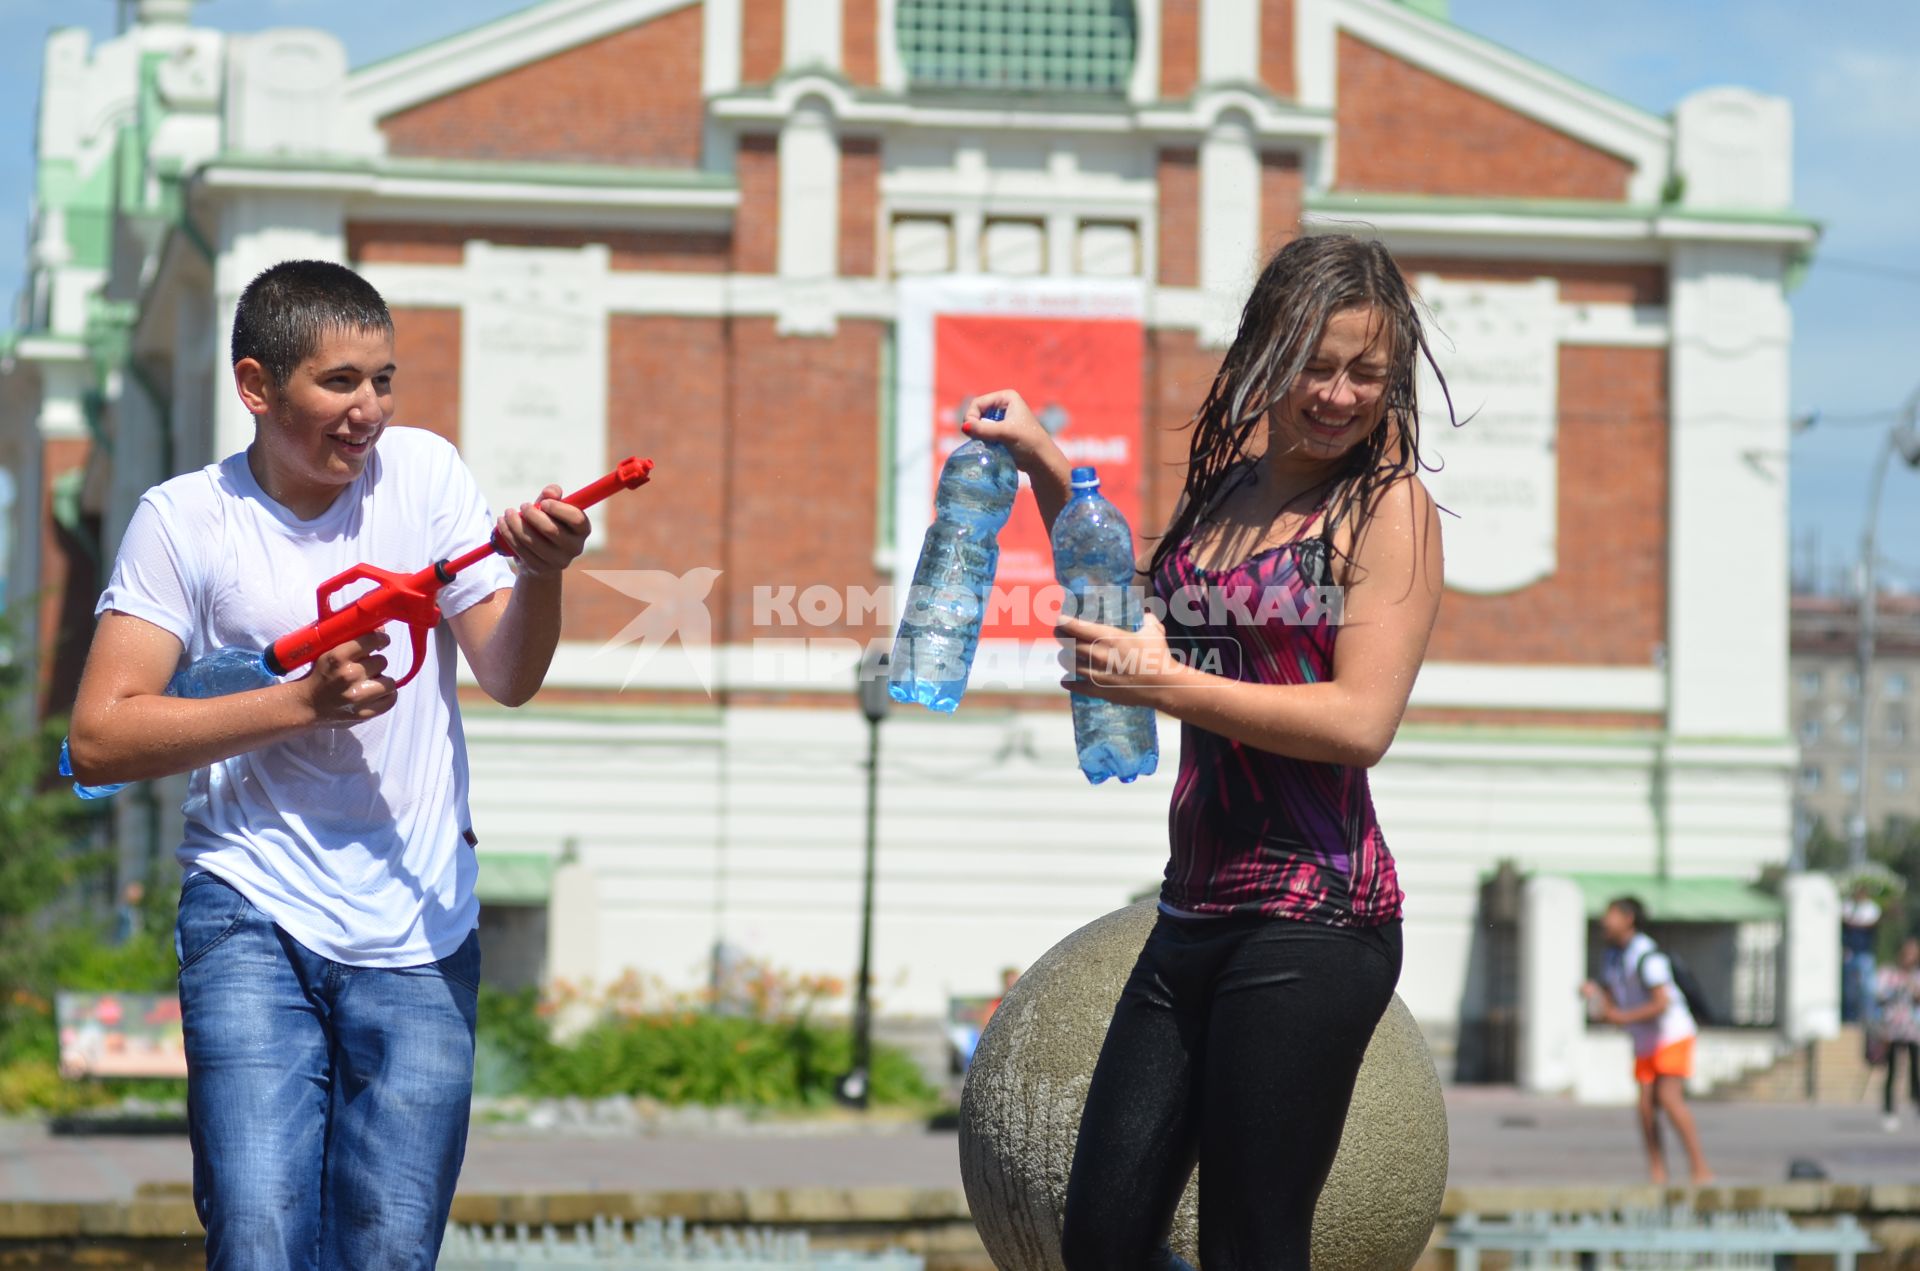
(412, 598)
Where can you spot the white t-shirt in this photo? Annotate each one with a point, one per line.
(1632, 974)
(1860, 913)
(353, 840)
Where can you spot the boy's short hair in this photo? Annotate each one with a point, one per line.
(284, 313)
(1632, 908)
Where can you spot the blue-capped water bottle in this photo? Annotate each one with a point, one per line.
(940, 630)
(224, 671)
(1093, 560)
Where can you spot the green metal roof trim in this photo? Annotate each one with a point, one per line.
(609, 176)
(86, 203)
(1682, 899)
(1569, 209)
(1079, 46)
(514, 878)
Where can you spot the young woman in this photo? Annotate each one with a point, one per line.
(1241, 1030)
(1897, 994)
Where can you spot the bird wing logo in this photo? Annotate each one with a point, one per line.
(676, 605)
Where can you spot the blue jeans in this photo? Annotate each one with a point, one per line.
(1858, 1001)
(327, 1103)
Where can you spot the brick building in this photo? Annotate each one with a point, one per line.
(685, 229)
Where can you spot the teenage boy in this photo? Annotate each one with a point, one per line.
(1638, 993)
(329, 961)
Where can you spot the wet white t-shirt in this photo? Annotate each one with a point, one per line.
(354, 840)
(1632, 974)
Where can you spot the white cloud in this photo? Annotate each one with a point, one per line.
(1871, 92)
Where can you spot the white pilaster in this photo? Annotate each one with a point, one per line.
(64, 95)
(893, 70)
(719, 46)
(287, 94)
(1810, 962)
(1230, 41)
(137, 444)
(1727, 577)
(812, 35)
(64, 383)
(1062, 244)
(573, 939)
(1316, 50)
(809, 217)
(1734, 149)
(1553, 956)
(969, 225)
(1229, 222)
(1144, 86)
(258, 230)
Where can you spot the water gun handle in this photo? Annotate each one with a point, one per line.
(408, 598)
(629, 474)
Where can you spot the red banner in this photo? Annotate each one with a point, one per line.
(1082, 376)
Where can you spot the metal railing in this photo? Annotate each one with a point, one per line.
(1646, 1239)
(608, 1244)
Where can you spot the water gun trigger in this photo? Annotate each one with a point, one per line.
(419, 633)
(398, 597)
(408, 598)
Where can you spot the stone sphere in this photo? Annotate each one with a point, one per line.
(1020, 1114)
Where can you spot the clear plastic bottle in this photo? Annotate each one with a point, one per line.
(933, 650)
(1093, 560)
(224, 671)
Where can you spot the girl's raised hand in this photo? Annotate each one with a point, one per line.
(1020, 431)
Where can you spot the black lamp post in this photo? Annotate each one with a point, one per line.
(874, 704)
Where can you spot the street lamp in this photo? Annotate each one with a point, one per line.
(874, 704)
(1904, 439)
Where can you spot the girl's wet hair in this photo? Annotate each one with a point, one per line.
(287, 310)
(1303, 285)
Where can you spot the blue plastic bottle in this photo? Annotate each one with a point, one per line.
(1093, 560)
(933, 650)
(224, 671)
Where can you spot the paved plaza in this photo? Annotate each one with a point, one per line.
(1499, 1138)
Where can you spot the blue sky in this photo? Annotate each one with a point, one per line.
(1851, 70)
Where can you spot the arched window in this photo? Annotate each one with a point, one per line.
(1048, 46)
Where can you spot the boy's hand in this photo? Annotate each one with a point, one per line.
(546, 535)
(1020, 432)
(349, 683)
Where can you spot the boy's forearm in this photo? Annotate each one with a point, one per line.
(520, 649)
(151, 735)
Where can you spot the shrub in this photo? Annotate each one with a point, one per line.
(759, 1047)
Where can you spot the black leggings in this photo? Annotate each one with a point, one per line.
(1236, 1043)
(1913, 1071)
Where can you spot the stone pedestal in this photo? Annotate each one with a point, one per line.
(1020, 1115)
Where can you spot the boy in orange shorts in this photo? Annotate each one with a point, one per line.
(1639, 994)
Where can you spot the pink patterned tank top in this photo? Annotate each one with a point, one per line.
(1253, 831)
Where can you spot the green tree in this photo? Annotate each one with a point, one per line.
(49, 841)
(1892, 875)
